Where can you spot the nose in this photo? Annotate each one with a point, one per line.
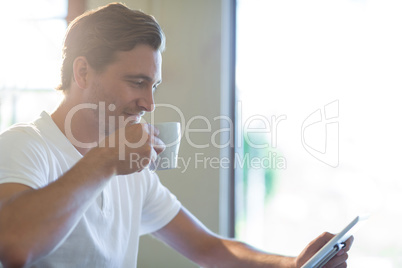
(146, 101)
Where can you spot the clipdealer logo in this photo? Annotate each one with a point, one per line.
(320, 134)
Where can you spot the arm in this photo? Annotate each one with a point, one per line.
(34, 222)
(192, 239)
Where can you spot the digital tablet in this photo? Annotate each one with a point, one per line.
(334, 245)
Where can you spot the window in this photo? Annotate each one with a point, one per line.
(32, 33)
(317, 84)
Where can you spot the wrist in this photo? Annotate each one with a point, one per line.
(102, 161)
(289, 262)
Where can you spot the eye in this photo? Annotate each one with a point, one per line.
(138, 83)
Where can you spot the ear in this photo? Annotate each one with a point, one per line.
(81, 70)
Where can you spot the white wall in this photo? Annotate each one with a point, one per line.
(191, 81)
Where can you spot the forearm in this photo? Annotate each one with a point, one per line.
(190, 237)
(33, 222)
(232, 253)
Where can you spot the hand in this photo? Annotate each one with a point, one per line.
(338, 261)
(132, 148)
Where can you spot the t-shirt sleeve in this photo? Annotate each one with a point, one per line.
(160, 206)
(23, 159)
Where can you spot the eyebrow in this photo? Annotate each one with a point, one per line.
(141, 76)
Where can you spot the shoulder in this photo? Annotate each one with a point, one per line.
(24, 156)
(25, 148)
(23, 137)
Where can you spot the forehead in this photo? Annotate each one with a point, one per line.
(142, 59)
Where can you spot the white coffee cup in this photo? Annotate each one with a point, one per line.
(170, 134)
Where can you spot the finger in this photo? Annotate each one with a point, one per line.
(153, 156)
(152, 133)
(313, 247)
(156, 130)
(349, 243)
(152, 130)
(158, 145)
(337, 261)
(342, 251)
(343, 265)
(323, 239)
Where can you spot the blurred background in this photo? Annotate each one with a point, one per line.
(333, 69)
(313, 84)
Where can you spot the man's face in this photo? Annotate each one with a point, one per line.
(126, 87)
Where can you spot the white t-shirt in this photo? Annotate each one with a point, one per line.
(108, 233)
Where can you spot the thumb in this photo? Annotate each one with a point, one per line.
(312, 248)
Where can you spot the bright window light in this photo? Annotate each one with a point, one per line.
(30, 54)
(331, 72)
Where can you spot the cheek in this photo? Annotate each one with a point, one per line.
(117, 104)
(117, 97)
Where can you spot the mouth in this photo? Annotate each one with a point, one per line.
(135, 118)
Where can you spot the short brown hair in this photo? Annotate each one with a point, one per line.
(98, 34)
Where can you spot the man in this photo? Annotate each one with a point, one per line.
(69, 194)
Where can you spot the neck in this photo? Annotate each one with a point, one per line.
(78, 125)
